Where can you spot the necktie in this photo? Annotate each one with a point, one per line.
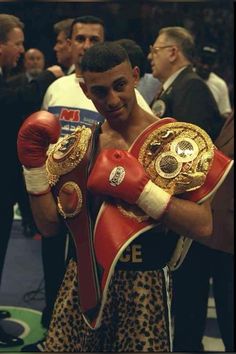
(159, 93)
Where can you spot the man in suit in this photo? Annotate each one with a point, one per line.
(15, 104)
(62, 47)
(34, 64)
(186, 97)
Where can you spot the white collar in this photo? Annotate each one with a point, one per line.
(171, 79)
(71, 70)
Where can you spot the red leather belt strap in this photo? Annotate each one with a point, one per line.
(115, 230)
(81, 230)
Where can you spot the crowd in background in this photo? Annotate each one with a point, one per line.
(210, 22)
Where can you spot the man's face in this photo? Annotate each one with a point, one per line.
(34, 61)
(203, 69)
(83, 37)
(112, 91)
(63, 50)
(12, 48)
(160, 57)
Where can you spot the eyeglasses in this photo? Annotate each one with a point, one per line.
(154, 50)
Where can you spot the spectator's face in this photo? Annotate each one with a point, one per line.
(160, 57)
(83, 37)
(34, 61)
(63, 50)
(112, 91)
(12, 48)
(203, 69)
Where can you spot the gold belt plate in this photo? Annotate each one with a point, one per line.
(177, 157)
(67, 153)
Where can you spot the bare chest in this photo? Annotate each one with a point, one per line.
(112, 141)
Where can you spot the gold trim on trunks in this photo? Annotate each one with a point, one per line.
(65, 155)
(69, 200)
(177, 156)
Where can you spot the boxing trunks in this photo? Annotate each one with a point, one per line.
(179, 157)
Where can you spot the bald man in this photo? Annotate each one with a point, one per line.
(34, 62)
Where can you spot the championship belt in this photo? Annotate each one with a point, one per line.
(179, 157)
(182, 160)
(67, 167)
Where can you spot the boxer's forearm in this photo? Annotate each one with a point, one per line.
(45, 214)
(189, 218)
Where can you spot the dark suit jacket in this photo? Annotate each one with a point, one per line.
(15, 105)
(188, 99)
(223, 202)
(18, 80)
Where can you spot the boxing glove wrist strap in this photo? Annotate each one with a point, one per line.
(36, 180)
(154, 200)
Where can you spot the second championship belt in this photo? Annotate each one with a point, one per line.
(181, 159)
(68, 166)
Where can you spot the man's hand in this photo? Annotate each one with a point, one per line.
(37, 132)
(119, 174)
(56, 70)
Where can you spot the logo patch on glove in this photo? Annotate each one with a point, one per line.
(116, 176)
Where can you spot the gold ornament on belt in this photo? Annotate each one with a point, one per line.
(69, 200)
(67, 153)
(131, 211)
(177, 157)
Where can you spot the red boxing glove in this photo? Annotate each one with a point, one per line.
(37, 132)
(119, 174)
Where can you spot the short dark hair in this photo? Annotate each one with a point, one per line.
(208, 54)
(7, 23)
(135, 53)
(87, 20)
(103, 56)
(63, 26)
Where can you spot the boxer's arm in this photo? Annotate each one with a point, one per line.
(35, 135)
(118, 174)
(45, 214)
(189, 218)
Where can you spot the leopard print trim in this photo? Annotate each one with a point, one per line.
(134, 317)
